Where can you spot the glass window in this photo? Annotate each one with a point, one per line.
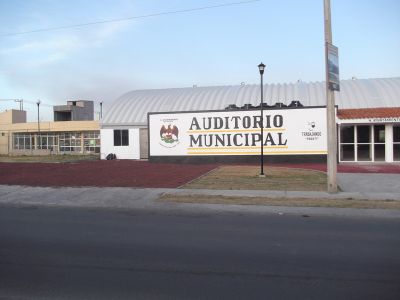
(125, 138)
(15, 142)
(91, 141)
(27, 142)
(117, 137)
(363, 134)
(347, 153)
(379, 150)
(396, 133)
(396, 152)
(364, 153)
(347, 134)
(396, 142)
(22, 141)
(44, 142)
(121, 137)
(379, 133)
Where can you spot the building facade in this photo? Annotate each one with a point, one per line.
(369, 135)
(18, 137)
(368, 115)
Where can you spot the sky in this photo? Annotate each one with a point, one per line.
(207, 47)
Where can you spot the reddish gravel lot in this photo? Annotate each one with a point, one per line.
(128, 173)
(115, 173)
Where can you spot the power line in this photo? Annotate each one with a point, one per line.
(41, 103)
(29, 102)
(130, 18)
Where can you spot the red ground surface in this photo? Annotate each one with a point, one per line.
(128, 173)
(115, 173)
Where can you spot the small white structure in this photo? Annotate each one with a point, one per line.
(121, 142)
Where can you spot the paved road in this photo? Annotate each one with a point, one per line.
(74, 253)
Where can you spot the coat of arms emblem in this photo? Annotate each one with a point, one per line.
(169, 135)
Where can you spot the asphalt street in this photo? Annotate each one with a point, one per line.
(78, 253)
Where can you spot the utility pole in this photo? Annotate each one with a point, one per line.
(330, 107)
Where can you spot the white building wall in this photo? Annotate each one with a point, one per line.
(122, 152)
(389, 142)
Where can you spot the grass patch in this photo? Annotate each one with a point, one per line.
(293, 202)
(246, 178)
(48, 158)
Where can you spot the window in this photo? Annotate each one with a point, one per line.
(22, 141)
(379, 142)
(347, 143)
(364, 146)
(396, 142)
(121, 137)
(91, 141)
(70, 142)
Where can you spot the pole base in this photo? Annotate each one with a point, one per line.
(261, 175)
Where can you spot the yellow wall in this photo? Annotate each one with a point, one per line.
(12, 116)
(52, 126)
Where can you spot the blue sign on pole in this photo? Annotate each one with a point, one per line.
(333, 67)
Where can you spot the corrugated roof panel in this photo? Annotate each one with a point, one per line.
(132, 107)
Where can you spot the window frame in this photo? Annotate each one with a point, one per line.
(121, 137)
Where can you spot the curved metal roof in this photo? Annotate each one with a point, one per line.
(131, 108)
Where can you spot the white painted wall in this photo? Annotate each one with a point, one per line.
(122, 152)
(389, 142)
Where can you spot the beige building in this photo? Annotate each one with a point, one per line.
(18, 137)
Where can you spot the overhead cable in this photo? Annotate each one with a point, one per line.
(128, 18)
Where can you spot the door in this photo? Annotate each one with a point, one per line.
(144, 143)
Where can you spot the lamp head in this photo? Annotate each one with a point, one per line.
(261, 68)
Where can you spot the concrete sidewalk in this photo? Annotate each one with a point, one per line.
(375, 184)
(353, 186)
(145, 200)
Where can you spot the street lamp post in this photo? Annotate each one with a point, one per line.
(261, 68)
(38, 125)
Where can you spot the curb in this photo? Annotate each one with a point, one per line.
(288, 194)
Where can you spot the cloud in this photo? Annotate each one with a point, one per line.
(56, 46)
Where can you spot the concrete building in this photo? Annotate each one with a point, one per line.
(368, 115)
(80, 110)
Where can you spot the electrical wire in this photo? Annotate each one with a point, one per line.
(129, 18)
